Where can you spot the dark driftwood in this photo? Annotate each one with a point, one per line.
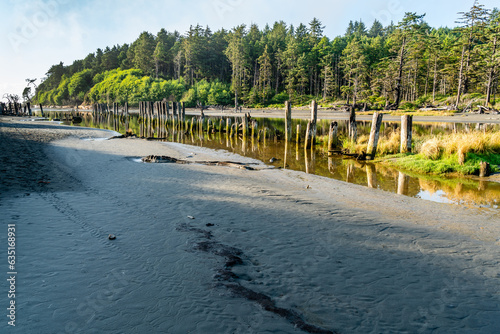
(167, 159)
(357, 156)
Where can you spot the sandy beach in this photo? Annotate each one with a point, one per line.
(217, 249)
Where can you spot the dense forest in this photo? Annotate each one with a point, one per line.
(404, 65)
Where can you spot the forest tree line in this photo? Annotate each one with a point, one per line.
(403, 65)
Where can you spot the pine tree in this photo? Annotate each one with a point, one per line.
(473, 23)
(235, 52)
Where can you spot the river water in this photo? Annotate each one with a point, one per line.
(273, 150)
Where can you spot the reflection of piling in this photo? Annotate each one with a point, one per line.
(254, 128)
(371, 176)
(403, 184)
(236, 127)
(406, 133)
(374, 135)
(350, 173)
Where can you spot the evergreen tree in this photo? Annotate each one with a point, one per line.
(473, 23)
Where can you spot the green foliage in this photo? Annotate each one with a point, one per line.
(406, 64)
(132, 86)
(205, 93)
(421, 164)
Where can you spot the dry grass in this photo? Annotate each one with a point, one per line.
(461, 144)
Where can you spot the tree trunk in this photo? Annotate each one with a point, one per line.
(400, 75)
(491, 74)
(434, 82)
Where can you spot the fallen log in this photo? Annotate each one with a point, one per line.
(357, 156)
(167, 159)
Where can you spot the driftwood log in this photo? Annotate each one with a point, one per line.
(167, 159)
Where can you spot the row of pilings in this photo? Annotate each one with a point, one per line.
(16, 109)
(157, 119)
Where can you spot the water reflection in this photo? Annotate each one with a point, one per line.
(267, 143)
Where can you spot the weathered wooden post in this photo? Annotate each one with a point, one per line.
(353, 129)
(332, 136)
(485, 169)
(174, 109)
(245, 126)
(183, 113)
(288, 121)
(374, 135)
(228, 125)
(221, 125)
(298, 134)
(314, 119)
(308, 139)
(406, 133)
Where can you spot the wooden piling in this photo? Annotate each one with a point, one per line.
(332, 136)
(221, 125)
(288, 121)
(298, 134)
(374, 135)
(308, 139)
(228, 125)
(406, 133)
(314, 120)
(485, 169)
(183, 111)
(353, 129)
(245, 126)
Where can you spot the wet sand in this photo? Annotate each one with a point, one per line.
(268, 251)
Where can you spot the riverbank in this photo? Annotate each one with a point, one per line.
(226, 250)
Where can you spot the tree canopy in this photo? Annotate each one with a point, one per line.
(401, 65)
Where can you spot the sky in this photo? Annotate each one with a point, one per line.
(36, 34)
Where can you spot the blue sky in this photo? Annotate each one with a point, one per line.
(36, 34)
